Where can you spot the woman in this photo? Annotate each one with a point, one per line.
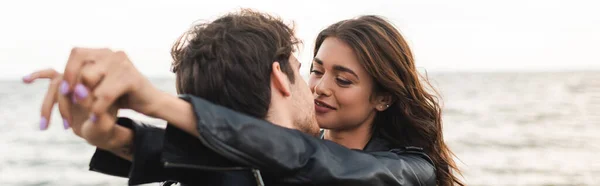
(365, 84)
(368, 96)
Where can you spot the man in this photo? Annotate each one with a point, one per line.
(242, 61)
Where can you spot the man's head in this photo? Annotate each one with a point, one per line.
(244, 61)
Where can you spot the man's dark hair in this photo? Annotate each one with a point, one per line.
(229, 61)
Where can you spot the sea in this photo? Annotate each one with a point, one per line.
(509, 128)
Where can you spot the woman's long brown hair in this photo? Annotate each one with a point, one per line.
(414, 118)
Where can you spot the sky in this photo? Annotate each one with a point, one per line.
(459, 35)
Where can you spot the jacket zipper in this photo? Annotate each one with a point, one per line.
(188, 166)
(255, 172)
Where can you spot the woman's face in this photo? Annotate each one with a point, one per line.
(341, 87)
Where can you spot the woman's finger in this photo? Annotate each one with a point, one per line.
(90, 75)
(93, 73)
(64, 107)
(77, 59)
(41, 74)
(80, 110)
(48, 103)
(51, 95)
(82, 98)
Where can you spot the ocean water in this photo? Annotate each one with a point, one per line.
(505, 128)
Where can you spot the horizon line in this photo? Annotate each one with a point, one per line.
(436, 71)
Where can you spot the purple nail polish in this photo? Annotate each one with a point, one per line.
(80, 91)
(43, 123)
(64, 87)
(73, 99)
(93, 118)
(27, 78)
(65, 124)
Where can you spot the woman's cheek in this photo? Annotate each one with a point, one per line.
(312, 81)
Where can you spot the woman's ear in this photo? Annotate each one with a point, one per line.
(383, 101)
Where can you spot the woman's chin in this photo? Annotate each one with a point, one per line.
(325, 123)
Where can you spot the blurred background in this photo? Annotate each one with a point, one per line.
(520, 80)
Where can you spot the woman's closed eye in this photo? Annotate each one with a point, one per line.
(343, 82)
(316, 72)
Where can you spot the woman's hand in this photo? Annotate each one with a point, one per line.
(112, 78)
(72, 114)
(112, 82)
(74, 109)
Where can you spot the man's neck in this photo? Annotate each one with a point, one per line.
(356, 138)
(278, 116)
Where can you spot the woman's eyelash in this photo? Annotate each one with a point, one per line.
(316, 72)
(343, 82)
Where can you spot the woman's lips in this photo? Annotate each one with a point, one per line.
(321, 107)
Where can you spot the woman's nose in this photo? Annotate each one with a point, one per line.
(321, 88)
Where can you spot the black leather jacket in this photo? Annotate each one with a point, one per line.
(233, 146)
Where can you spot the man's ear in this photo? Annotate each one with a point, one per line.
(383, 101)
(280, 80)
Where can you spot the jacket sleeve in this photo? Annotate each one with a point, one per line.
(295, 157)
(154, 148)
(146, 166)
